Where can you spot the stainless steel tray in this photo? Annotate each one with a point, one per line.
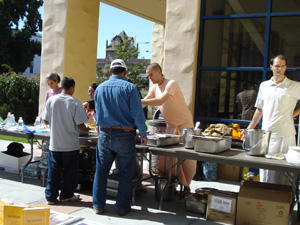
(212, 144)
(163, 140)
(196, 204)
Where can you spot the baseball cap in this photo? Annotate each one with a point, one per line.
(118, 63)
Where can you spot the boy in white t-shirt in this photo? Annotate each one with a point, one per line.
(64, 114)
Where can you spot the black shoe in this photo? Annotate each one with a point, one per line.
(98, 211)
(124, 212)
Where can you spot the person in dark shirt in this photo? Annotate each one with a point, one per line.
(89, 105)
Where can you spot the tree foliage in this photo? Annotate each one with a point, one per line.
(102, 74)
(20, 96)
(127, 51)
(16, 48)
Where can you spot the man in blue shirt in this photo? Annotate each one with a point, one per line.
(118, 110)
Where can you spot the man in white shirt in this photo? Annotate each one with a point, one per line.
(276, 101)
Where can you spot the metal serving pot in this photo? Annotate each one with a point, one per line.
(188, 141)
(256, 141)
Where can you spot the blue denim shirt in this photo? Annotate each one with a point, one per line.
(118, 103)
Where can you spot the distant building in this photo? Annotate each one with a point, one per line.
(35, 66)
(110, 50)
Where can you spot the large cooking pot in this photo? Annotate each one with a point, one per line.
(256, 141)
(157, 126)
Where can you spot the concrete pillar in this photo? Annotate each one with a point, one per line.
(157, 49)
(181, 45)
(157, 54)
(69, 44)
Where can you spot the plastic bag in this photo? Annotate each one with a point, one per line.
(210, 170)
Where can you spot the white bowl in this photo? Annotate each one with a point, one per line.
(295, 148)
(293, 155)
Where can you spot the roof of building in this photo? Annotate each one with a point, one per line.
(122, 36)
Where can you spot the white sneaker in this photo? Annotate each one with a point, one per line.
(75, 197)
(52, 203)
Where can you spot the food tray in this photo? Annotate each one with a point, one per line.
(163, 140)
(204, 191)
(212, 144)
(196, 204)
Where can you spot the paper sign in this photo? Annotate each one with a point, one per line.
(221, 204)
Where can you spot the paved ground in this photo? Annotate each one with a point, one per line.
(145, 211)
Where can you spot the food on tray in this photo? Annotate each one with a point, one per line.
(217, 130)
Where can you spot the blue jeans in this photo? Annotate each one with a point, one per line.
(62, 175)
(114, 144)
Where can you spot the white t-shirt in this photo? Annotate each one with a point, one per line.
(278, 102)
(64, 113)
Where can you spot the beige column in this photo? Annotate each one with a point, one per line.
(69, 44)
(181, 45)
(157, 54)
(157, 50)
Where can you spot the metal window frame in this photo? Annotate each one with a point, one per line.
(268, 15)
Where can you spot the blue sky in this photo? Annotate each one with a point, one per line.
(112, 21)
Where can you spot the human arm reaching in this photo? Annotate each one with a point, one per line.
(155, 101)
(83, 127)
(296, 112)
(86, 106)
(144, 141)
(256, 118)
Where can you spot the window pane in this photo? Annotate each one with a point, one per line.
(284, 39)
(218, 91)
(285, 6)
(227, 7)
(234, 43)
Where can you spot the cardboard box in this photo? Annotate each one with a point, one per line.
(13, 214)
(264, 203)
(3, 202)
(221, 206)
(12, 163)
(9, 170)
(19, 214)
(36, 215)
(228, 172)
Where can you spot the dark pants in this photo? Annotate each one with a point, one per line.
(62, 175)
(114, 144)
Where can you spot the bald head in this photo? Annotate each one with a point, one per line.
(154, 73)
(154, 67)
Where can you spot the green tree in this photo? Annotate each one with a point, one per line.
(19, 95)
(16, 48)
(102, 74)
(127, 51)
